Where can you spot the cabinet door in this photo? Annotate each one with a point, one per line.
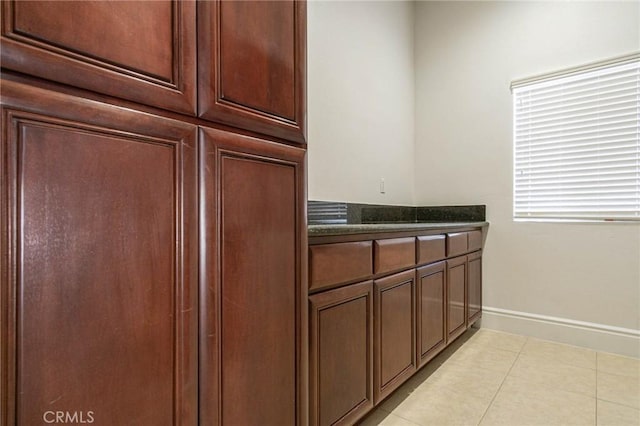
(253, 301)
(252, 65)
(341, 369)
(432, 308)
(474, 308)
(456, 296)
(140, 51)
(99, 306)
(395, 332)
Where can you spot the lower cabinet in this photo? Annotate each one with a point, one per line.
(341, 354)
(252, 305)
(432, 310)
(474, 287)
(395, 332)
(456, 296)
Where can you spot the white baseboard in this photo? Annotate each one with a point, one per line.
(599, 337)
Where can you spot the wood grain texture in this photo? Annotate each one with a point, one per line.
(456, 296)
(339, 263)
(431, 248)
(457, 243)
(475, 240)
(474, 303)
(253, 305)
(393, 254)
(252, 66)
(341, 342)
(394, 331)
(141, 51)
(98, 280)
(432, 308)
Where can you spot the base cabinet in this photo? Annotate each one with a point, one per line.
(432, 309)
(395, 332)
(456, 296)
(474, 305)
(341, 354)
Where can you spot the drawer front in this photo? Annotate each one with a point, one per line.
(341, 262)
(431, 248)
(394, 253)
(457, 244)
(475, 240)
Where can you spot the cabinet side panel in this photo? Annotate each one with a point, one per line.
(258, 291)
(475, 285)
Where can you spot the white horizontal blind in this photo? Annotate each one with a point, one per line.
(577, 145)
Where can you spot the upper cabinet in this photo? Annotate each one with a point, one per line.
(250, 55)
(252, 66)
(139, 51)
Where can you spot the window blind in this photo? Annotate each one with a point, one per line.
(577, 144)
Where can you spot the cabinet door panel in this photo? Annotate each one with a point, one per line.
(341, 366)
(394, 322)
(456, 296)
(100, 297)
(475, 287)
(141, 51)
(431, 310)
(252, 71)
(252, 302)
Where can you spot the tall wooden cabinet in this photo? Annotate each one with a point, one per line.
(152, 226)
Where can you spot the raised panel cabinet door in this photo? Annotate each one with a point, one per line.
(432, 308)
(456, 296)
(252, 66)
(253, 340)
(98, 268)
(394, 332)
(136, 50)
(341, 353)
(474, 305)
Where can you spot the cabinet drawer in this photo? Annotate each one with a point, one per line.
(394, 253)
(457, 244)
(431, 248)
(475, 240)
(341, 262)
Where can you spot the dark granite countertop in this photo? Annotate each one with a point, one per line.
(346, 229)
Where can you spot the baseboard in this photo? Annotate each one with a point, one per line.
(599, 337)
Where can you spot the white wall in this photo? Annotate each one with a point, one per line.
(576, 283)
(361, 101)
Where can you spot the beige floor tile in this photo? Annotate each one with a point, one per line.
(555, 374)
(610, 414)
(467, 378)
(520, 402)
(566, 354)
(619, 389)
(498, 340)
(489, 358)
(382, 418)
(616, 364)
(442, 406)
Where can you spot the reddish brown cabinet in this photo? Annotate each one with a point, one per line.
(395, 332)
(432, 310)
(99, 280)
(140, 51)
(341, 354)
(253, 301)
(474, 286)
(456, 296)
(252, 66)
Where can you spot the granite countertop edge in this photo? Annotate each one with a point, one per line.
(346, 229)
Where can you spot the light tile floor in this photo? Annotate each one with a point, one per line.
(492, 378)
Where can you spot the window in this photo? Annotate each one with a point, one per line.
(577, 143)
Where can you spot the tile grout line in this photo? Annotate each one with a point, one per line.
(501, 384)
